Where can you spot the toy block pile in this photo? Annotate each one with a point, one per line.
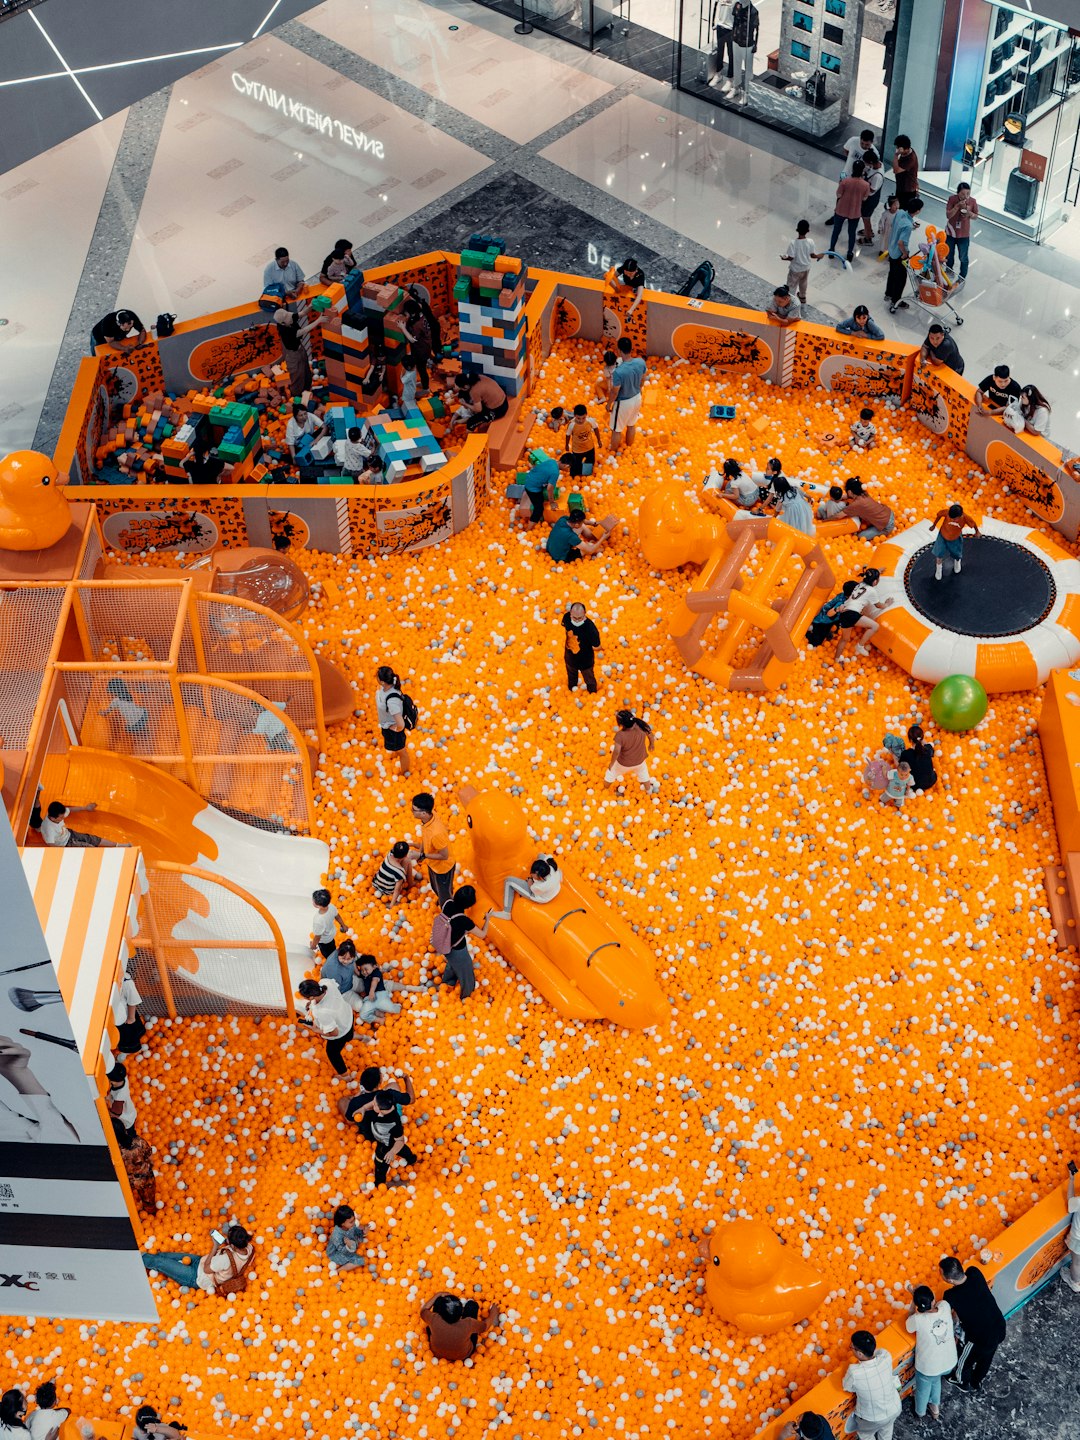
(490, 297)
(383, 305)
(345, 346)
(404, 438)
(132, 446)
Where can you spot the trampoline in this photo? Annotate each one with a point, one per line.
(1002, 588)
(1009, 618)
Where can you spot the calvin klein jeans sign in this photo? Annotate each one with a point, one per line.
(303, 114)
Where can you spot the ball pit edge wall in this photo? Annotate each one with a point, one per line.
(563, 305)
(1023, 1258)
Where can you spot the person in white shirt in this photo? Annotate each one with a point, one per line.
(135, 717)
(351, 453)
(1071, 1273)
(44, 1423)
(875, 1387)
(131, 1029)
(301, 422)
(799, 254)
(855, 148)
(859, 613)
(542, 884)
(28, 1115)
(935, 1349)
(271, 727)
(57, 835)
(324, 925)
(735, 484)
(229, 1261)
(332, 1016)
(120, 1104)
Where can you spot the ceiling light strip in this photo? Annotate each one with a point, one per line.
(67, 68)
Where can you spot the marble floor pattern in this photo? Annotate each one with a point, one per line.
(574, 156)
(43, 263)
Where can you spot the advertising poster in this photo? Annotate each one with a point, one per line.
(67, 1248)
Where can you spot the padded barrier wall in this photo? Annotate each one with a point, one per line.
(1025, 1257)
(388, 519)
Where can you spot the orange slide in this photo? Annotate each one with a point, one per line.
(581, 956)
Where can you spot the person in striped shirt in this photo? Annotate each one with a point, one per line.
(395, 874)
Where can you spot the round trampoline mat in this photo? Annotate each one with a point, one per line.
(1002, 589)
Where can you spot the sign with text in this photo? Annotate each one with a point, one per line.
(67, 1247)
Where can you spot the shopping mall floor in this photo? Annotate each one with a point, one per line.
(174, 204)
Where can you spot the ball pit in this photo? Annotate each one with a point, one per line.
(871, 1038)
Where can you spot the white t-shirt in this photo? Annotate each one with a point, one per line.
(324, 924)
(1038, 420)
(745, 486)
(351, 454)
(55, 832)
(852, 151)
(1073, 1241)
(935, 1344)
(40, 1422)
(800, 254)
(129, 995)
(544, 890)
(132, 715)
(270, 725)
(332, 1015)
(307, 425)
(861, 598)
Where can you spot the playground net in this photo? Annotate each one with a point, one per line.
(252, 648)
(28, 621)
(128, 621)
(203, 949)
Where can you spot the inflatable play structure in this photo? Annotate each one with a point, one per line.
(575, 950)
(673, 534)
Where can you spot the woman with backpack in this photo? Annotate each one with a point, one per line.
(448, 934)
(919, 757)
(390, 705)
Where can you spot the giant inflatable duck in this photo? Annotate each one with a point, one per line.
(582, 957)
(757, 1282)
(34, 512)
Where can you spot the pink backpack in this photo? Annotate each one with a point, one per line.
(875, 775)
(442, 941)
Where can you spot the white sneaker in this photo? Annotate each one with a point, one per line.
(1070, 1282)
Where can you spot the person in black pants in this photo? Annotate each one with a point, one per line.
(332, 1016)
(459, 966)
(420, 340)
(723, 11)
(582, 643)
(980, 1315)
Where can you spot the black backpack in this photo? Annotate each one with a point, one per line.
(165, 326)
(410, 713)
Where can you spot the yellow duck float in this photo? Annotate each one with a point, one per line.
(755, 1281)
(34, 513)
(582, 957)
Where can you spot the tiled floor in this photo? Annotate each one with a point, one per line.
(233, 177)
(48, 209)
(575, 156)
(451, 63)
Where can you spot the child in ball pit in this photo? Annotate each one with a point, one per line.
(633, 743)
(900, 781)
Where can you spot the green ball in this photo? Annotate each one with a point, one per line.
(958, 702)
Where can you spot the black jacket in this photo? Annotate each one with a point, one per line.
(744, 27)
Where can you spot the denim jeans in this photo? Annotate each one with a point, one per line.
(871, 533)
(927, 1392)
(172, 1264)
(961, 245)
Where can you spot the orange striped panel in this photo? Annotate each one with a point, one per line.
(1046, 545)
(1006, 667)
(1069, 619)
(901, 636)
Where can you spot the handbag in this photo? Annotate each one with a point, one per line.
(237, 1281)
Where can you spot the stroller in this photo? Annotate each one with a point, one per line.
(698, 284)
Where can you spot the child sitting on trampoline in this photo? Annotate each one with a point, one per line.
(950, 525)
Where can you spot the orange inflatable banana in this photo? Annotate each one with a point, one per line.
(582, 957)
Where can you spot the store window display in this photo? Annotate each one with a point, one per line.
(805, 66)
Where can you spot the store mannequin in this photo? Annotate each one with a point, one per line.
(723, 11)
(744, 36)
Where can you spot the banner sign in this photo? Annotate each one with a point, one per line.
(67, 1247)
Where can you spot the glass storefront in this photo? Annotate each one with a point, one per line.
(1008, 122)
(818, 69)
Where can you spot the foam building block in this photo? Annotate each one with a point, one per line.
(404, 438)
(490, 296)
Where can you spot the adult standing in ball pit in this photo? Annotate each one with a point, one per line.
(390, 711)
(634, 742)
(434, 847)
(459, 963)
(626, 381)
(332, 1016)
(581, 647)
